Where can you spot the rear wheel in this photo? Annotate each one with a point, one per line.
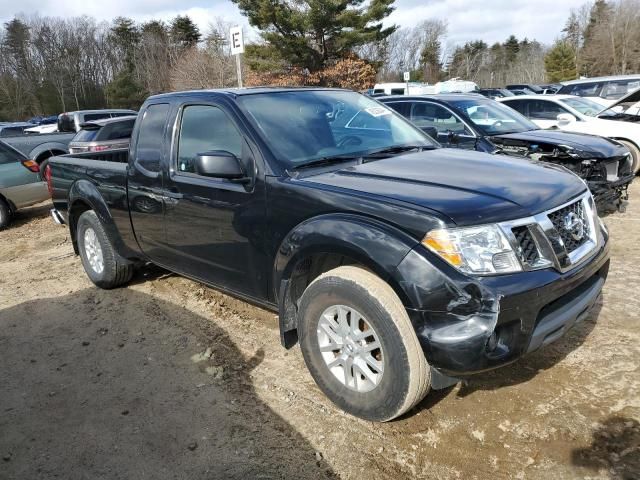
(635, 155)
(101, 262)
(5, 214)
(359, 345)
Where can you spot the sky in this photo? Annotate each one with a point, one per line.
(489, 20)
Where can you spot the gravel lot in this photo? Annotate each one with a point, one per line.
(170, 379)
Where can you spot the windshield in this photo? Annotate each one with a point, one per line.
(304, 126)
(493, 118)
(583, 105)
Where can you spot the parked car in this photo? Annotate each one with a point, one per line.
(494, 93)
(603, 90)
(477, 123)
(72, 121)
(102, 135)
(13, 129)
(525, 87)
(396, 264)
(521, 91)
(20, 183)
(550, 89)
(627, 109)
(574, 114)
(40, 147)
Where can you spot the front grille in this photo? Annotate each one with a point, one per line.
(560, 238)
(561, 219)
(527, 247)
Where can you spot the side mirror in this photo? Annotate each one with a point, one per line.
(565, 119)
(453, 137)
(431, 131)
(219, 164)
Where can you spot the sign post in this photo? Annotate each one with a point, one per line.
(407, 77)
(237, 49)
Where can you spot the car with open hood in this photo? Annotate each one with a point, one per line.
(580, 115)
(476, 123)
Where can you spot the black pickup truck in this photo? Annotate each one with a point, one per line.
(397, 265)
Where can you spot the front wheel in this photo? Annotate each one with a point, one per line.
(359, 345)
(101, 262)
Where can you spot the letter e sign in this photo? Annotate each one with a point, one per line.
(237, 42)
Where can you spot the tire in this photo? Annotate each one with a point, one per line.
(635, 154)
(43, 167)
(5, 214)
(350, 292)
(103, 265)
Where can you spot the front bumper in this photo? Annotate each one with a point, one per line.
(466, 326)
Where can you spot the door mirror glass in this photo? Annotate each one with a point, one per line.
(218, 164)
(565, 119)
(431, 131)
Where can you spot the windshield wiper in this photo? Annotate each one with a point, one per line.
(327, 161)
(399, 149)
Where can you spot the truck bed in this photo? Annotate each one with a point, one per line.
(27, 143)
(117, 156)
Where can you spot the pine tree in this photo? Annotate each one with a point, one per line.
(560, 62)
(124, 91)
(511, 47)
(184, 32)
(125, 35)
(311, 33)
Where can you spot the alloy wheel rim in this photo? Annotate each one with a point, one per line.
(93, 250)
(350, 348)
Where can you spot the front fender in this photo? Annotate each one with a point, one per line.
(372, 243)
(84, 193)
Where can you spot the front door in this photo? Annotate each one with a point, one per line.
(215, 226)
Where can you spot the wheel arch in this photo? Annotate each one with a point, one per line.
(48, 150)
(84, 195)
(326, 242)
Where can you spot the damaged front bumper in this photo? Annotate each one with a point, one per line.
(469, 325)
(611, 196)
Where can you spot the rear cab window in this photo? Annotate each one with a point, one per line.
(150, 137)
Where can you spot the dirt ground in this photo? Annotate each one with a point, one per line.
(169, 379)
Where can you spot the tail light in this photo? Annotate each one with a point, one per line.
(48, 178)
(31, 166)
(99, 148)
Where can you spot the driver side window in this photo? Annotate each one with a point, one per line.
(425, 114)
(205, 128)
(544, 110)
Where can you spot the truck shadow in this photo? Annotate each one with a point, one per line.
(529, 366)
(615, 447)
(122, 384)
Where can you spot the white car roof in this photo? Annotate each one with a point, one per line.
(536, 97)
(601, 79)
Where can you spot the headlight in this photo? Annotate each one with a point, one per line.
(480, 250)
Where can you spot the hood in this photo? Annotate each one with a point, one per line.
(469, 187)
(627, 101)
(592, 145)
